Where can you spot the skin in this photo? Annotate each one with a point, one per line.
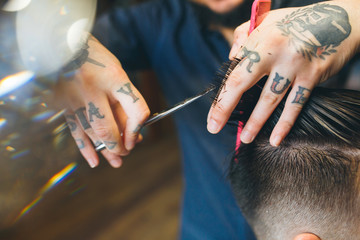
(269, 51)
(307, 236)
(102, 104)
(102, 107)
(102, 91)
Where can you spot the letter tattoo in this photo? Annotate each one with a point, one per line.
(110, 145)
(316, 31)
(129, 92)
(300, 97)
(81, 56)
(97, 143)
(252, 56)
(71, 122)
(80, 143)
(275, 88)
(81, 114)
(94, 111)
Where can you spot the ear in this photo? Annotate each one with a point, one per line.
(306, 236)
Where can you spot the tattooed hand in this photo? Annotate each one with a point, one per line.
(102, 106)
(297, 48)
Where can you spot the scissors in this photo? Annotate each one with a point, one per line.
(157, 116)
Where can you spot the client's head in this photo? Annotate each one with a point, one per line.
(308, 187)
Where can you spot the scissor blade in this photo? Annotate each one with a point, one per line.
(157, 116)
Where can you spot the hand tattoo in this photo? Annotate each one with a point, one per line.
(110, 145)
(70, 119)
(250, 56)
(128, 91)
(316, 31)
(97, 143)
(94, 111)
(80, 143)
(300, 97)
(275, 88)
(81, 56)
(81, 114)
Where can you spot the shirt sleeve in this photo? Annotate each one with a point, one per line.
(128, 33)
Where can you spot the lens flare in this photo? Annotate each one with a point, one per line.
(42, 31)
(56, 116)
(3, 122)
(20, 154)
(10, 149)
(12, 82)
(15, 5)
(42, 116)
(56, 179)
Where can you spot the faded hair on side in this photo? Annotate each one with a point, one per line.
(311, 181)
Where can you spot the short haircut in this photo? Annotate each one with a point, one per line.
(311, 181)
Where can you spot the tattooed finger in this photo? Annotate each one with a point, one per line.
(298, 96)
(81, 139)
(273, 92)
(104, 127)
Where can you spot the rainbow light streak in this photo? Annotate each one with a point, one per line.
(56, 116)
(3, 122)
(59, 139)
(42, 116)
(10, 149)
(28, 208)
(57, 178)
(12, 82)
(60, 128)
(20, 154)
(63, 10)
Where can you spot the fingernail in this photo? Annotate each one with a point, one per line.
(92, 163)
(115, 163)
(276, 141)
(212, 126)
(246, 137)
(129, 146)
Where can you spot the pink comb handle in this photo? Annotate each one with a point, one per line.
(259, 10)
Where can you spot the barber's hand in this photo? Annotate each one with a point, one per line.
(297, 48)
(102, 106)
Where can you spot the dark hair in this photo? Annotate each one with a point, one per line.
(316, 165)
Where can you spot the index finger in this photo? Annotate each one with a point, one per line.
(250, 69)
